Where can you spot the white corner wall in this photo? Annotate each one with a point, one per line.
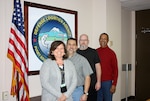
(133, 44)
(128, 52)
(113, 28)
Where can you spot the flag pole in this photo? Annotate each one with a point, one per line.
(18, 98)
(17, 49)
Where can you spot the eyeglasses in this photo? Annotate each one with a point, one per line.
(84, 40)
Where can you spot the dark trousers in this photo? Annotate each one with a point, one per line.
(92, 92)
(92, 95)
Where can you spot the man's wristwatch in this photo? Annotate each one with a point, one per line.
(86, 93)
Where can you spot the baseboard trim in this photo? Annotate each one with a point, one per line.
(36, 98)
(129, 98)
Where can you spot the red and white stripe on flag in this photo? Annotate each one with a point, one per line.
(17, 53)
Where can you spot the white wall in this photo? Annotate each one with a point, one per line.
(113, 27)
(99, 21)
(128, 52)
(126, 49)
(133, 44)
(94, 17)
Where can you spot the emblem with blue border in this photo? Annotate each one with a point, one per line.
(47, 29)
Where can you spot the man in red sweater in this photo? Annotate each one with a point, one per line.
(109, 68)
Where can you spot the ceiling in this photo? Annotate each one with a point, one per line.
(136, 5)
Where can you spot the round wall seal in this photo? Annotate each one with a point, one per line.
(47, 29)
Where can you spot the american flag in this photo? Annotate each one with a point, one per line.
(17, 53)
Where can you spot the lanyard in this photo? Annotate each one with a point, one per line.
(61, 68)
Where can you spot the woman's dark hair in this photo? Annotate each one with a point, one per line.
(54, 45)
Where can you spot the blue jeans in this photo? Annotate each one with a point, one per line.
(77, 93)
(104, 93)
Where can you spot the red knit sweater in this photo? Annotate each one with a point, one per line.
(109, 64)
